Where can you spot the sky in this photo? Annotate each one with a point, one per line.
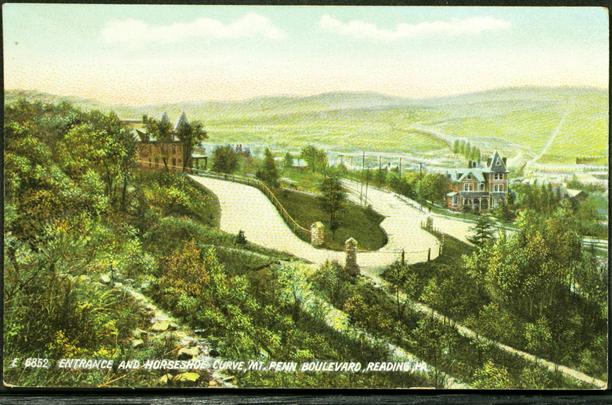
(147, 54)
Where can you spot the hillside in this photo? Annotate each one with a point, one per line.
(514, 120)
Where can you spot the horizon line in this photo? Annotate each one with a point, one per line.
(297, 96)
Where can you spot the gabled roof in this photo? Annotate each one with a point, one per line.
(476, 172)
(497, 164)
(181, 120)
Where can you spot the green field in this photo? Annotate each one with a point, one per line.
(511, 120)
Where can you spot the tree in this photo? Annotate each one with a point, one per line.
(492, 377)
(316, 159)
(225, 159)
(432, 187)
(332, 199)
(163, 133)
(482, 232)
(288, 160)
(402, 281)
(190, 134)
(268, 173)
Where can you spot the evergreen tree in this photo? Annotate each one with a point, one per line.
(288, 161)
(268, 173)
(332, 199)
(482, 231)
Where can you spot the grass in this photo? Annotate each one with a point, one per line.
(355, 221)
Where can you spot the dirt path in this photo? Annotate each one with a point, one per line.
(551, 139)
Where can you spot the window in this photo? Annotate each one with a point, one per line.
(499, 176)
(498, 188)
(455, 200)
(482, 186)
(467, 187)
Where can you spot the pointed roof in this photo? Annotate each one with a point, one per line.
(181, 120)
(497, 164)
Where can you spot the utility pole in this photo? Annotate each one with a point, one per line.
(420, 168)
(367, 182)
(362, 173)
(400, 167)
(379, 163)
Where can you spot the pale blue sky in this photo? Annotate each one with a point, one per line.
(149, 54)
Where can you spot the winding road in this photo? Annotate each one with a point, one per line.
(246, 208)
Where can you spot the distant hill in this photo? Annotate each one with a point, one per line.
(514, 120)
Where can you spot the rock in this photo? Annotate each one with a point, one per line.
(138, 333)
(165, 378)
(84, 278)
(186, 377)
(118, 285)
(188, 353)
(214, 353)
(213, 383)
(137, 343)
(187, 341)
(160, 326)
(104, 278)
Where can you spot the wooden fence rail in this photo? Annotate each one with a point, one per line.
(261, 186)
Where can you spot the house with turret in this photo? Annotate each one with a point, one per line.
(476, 187)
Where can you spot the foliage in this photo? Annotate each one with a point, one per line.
(225, 159)
(332, 199)
(315, 158)
(268, 173)
(482, 231)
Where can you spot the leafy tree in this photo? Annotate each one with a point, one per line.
(482, 231)
(332, 199)
(268, 173)
(163, 133)
(491, 376)
(432, 187)
(403, 282)
(225, 159)
(190, 134)
(315, 158)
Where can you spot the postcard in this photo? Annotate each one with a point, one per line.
(228, 196)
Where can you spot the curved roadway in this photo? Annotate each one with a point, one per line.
(246, 208)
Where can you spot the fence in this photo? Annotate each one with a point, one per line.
(261, 186)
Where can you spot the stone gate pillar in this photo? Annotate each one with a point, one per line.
(429, 222)
(317, 234)
(350, 248)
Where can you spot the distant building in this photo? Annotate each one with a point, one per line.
(478, 188)
(151, 151)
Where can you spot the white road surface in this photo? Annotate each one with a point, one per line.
(246, 208)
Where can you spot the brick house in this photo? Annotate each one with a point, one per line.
(151, 152)
(476, 187)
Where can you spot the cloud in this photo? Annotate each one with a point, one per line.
(135, 32)
(455, 26)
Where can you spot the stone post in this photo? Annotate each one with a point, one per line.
(429, 223)
(317, 234)
(350, 248)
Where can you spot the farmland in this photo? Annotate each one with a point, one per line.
(514, 120)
